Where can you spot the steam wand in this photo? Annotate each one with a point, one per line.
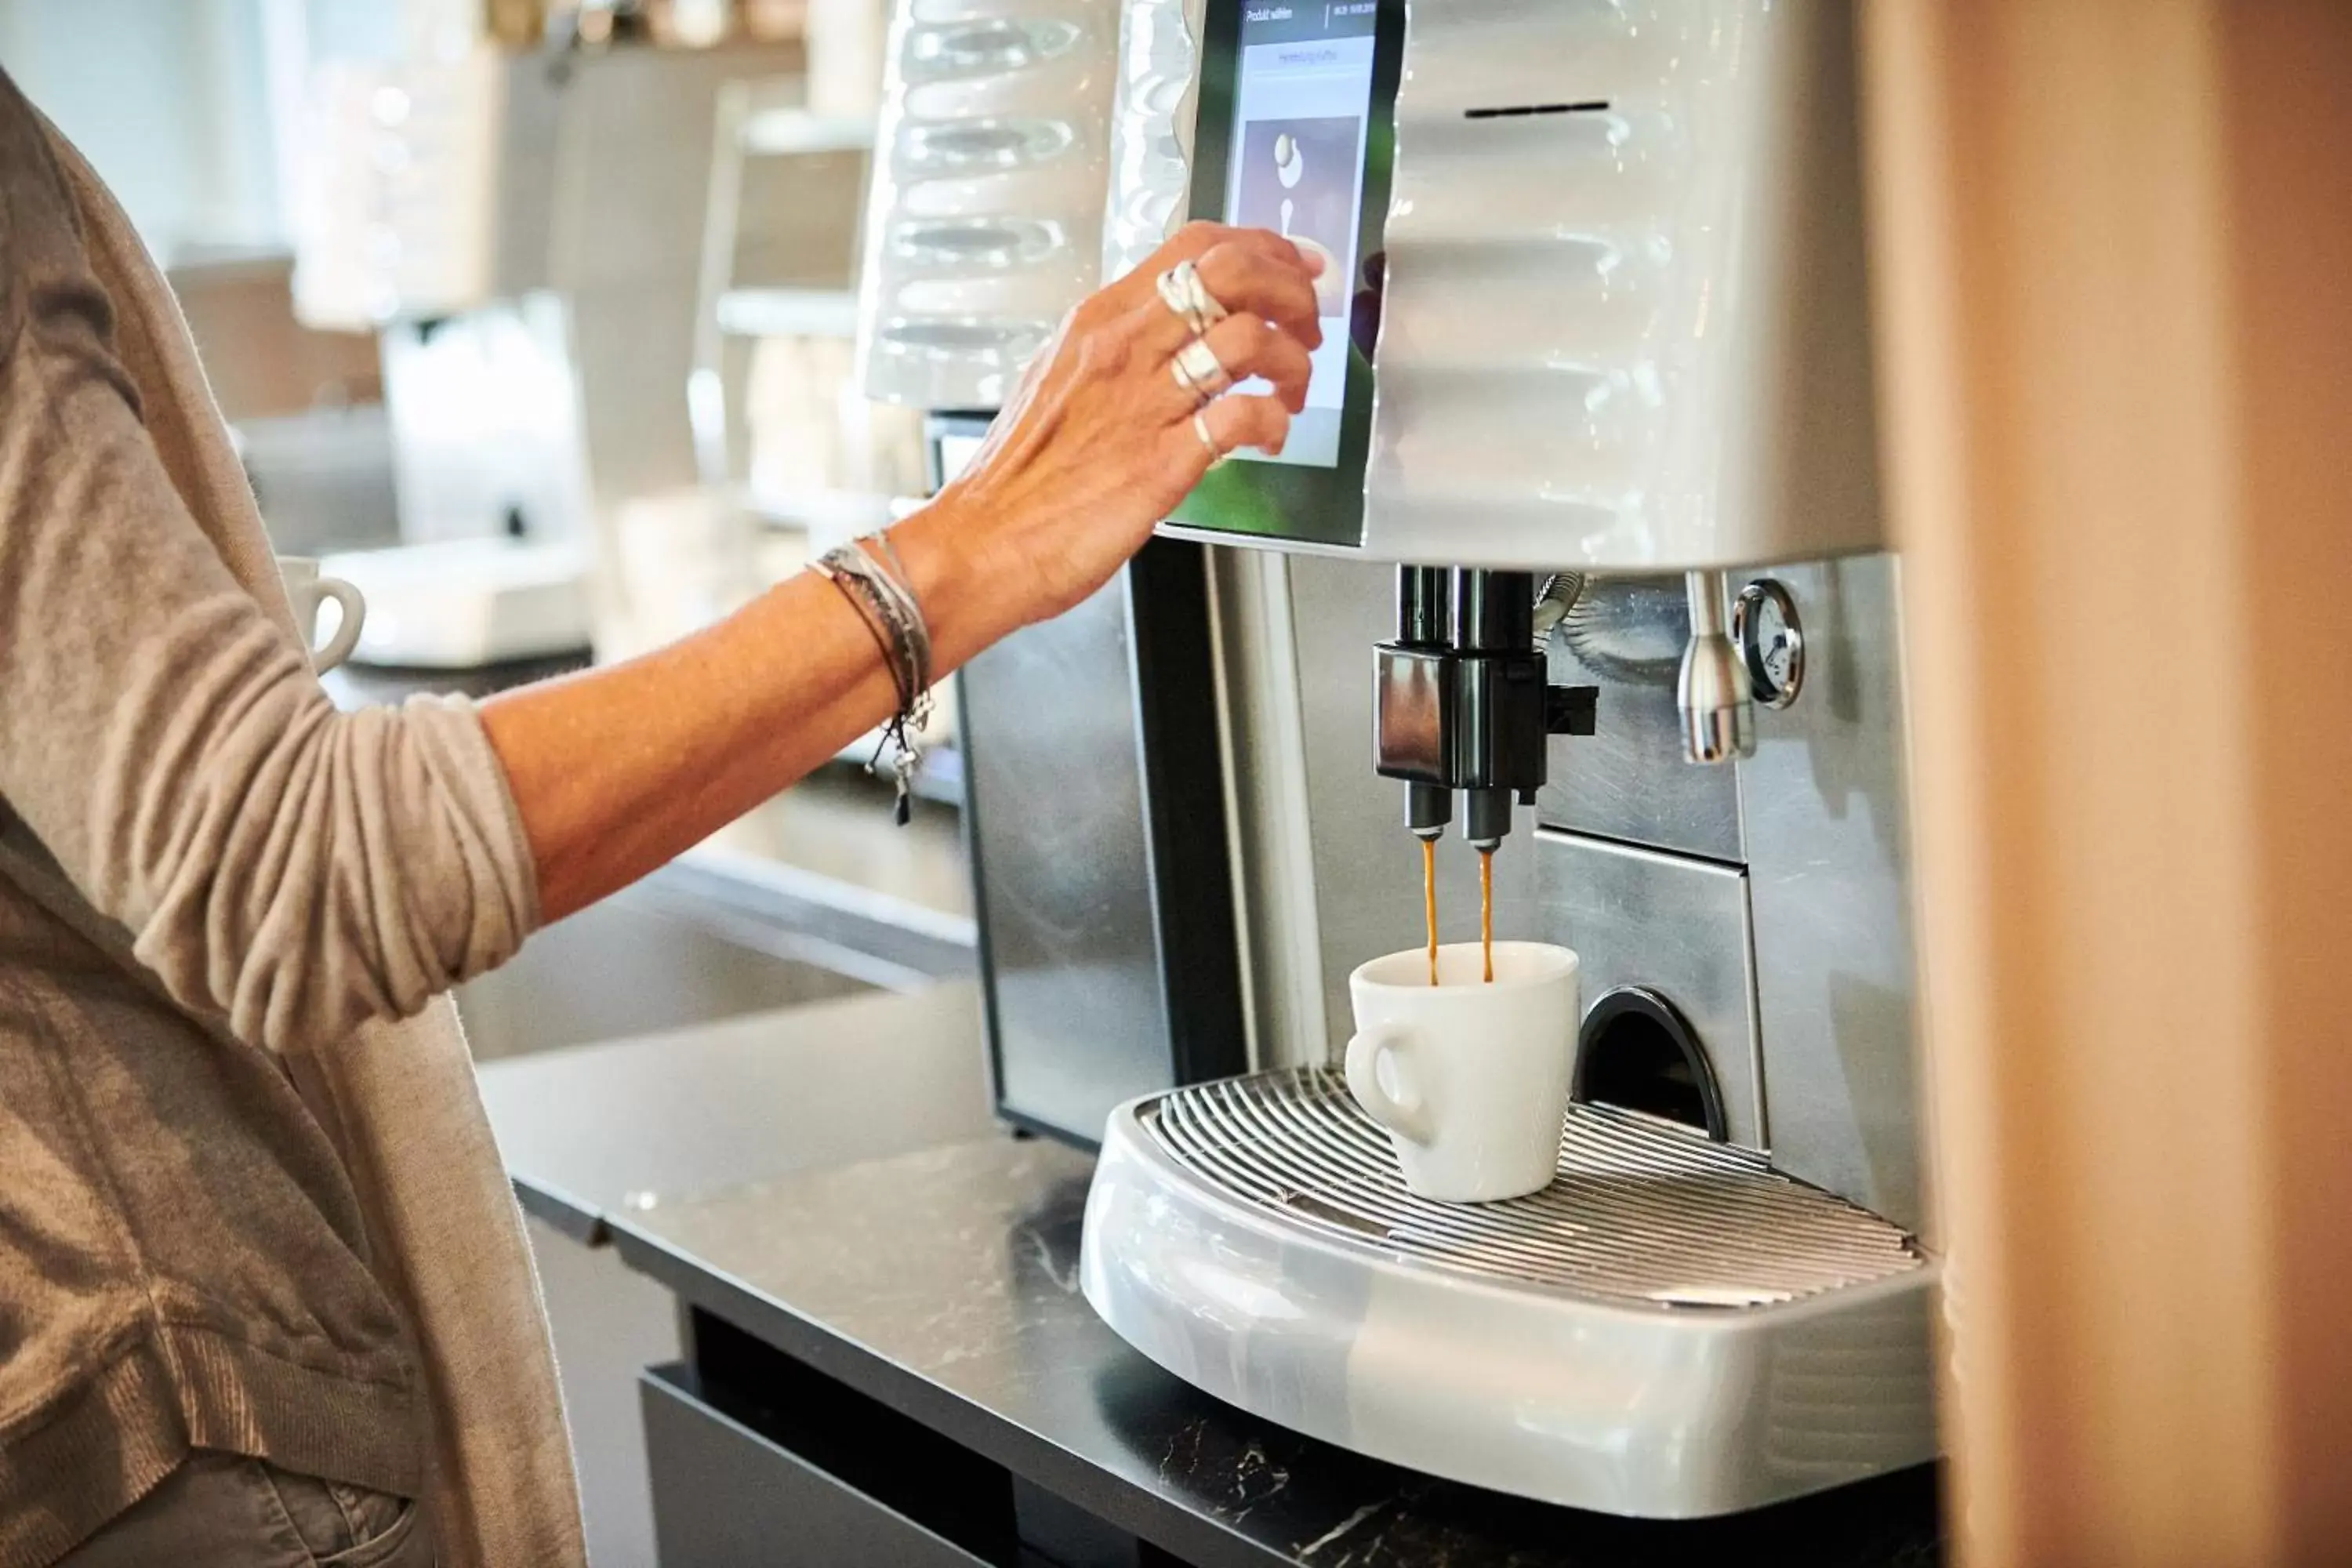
(1713, 693)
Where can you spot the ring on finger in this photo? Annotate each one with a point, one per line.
(1181, 290)
(1200, 428)
(1199, 371)
(1203, 304)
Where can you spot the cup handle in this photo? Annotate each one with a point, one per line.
(347, 629)
(1403, 1114)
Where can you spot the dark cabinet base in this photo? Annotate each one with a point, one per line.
(759, 1461)
(726, 1497)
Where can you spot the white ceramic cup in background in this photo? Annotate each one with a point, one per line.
(1470, 1078)
(309, 590)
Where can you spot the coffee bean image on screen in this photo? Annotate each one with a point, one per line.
(1298, 178)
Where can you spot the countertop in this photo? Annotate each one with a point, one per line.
(592, 1133)
(944, 1283)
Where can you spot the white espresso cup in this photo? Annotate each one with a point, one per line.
(1469, 1077)
(309, 590)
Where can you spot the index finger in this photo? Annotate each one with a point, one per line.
(1196, 240)
(1199, 237)
(1253, 282)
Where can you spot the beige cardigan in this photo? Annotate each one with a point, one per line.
(406, 819)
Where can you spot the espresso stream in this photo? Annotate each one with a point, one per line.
(1429, 900)
(1486, 909)
(1485, 905)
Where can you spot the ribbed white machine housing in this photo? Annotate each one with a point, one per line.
(1624, 323)
(984, 221)
(1151, 129)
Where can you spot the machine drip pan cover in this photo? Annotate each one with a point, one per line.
(1643, 1213)
(1672, 1329)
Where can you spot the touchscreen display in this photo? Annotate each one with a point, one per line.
(1302, 101)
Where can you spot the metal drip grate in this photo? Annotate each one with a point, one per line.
(1642, 1213)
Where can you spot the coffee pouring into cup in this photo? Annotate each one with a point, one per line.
(1470, 1076)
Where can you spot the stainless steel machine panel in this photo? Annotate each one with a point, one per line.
(1820, 965)
(1829, 882)
(1676, 926)
(1094, 812)
(1070, 941)
(1366, 868)
(1628, 779)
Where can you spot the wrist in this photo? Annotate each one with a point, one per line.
(967, 599)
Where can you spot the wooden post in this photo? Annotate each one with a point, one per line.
(2112, 260)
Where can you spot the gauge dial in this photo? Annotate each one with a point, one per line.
(1770, 641)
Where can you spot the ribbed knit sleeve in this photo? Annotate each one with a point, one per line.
(297, 869)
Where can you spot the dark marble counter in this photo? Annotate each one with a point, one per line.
(944, 1283)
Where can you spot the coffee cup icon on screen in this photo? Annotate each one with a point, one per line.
(1299, 179)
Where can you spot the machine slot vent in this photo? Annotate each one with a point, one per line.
(1516, 110)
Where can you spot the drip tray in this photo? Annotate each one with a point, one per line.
(1642, 1212)
(1672, 1329)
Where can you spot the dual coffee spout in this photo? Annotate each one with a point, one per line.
(1463, 704)
(1463, 701)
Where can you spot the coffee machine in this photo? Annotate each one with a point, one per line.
(1577, 548)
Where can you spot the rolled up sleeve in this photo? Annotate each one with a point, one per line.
(293, 868)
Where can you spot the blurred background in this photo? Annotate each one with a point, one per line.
(535, 320)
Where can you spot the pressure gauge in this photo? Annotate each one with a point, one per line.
(1771, 644)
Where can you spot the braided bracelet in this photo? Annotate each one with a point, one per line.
(889, 574)
(888, 609)
(883, 622)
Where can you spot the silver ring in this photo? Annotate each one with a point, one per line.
(1181, 290)
(1199, 371)
(1200, 428)
(1205, 305)
(1184, 379)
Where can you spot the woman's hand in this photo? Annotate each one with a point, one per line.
(1099, 443)
(615, 770)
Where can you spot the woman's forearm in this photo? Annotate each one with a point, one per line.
(617, 770)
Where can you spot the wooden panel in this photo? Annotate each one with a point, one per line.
(2287, 78)
(2113, 266)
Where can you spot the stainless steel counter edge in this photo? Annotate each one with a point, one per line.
(573, 1217)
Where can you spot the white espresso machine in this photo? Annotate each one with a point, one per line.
(1596, 388)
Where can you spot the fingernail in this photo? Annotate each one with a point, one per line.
(1314, 259)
